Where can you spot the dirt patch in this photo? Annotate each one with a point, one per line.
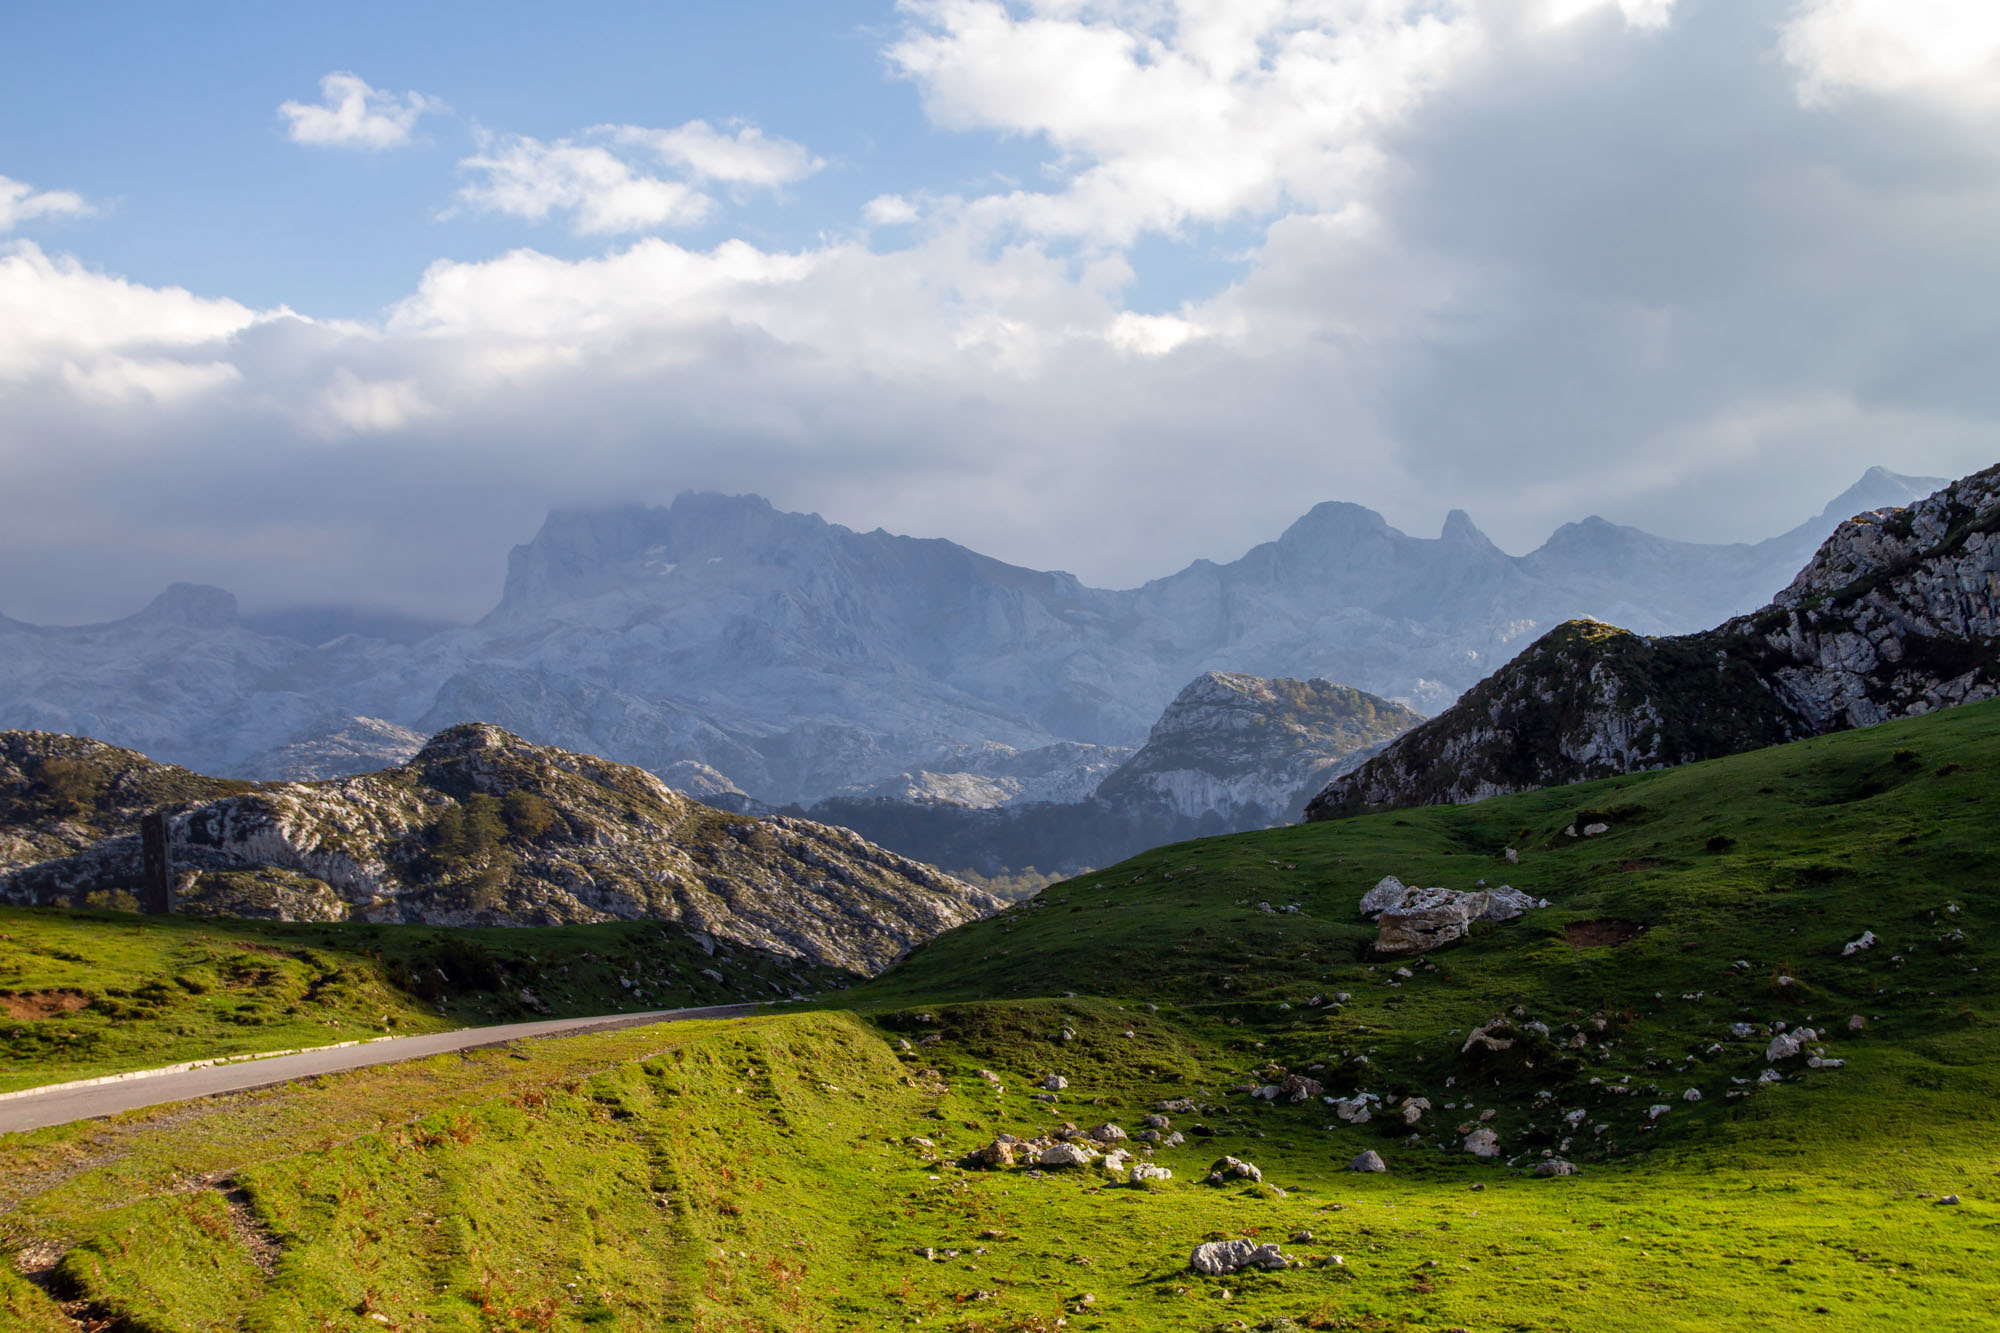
(1641, 863)
(264, 1248)
(43, 1003)
(1600, 934)
(271, 949)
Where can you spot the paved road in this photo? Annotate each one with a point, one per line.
(59, 1106)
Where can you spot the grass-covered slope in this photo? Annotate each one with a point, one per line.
(84, 994)
(803, 1172)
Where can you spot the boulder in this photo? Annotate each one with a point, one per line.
(1426, 920)
(1556, 1166)
(1225, 1169)
(997, 1153)
(1866, 940)
(1497, 1035)
(1413, 1109)
(1483, 1143)
(1387, 894)
(1368, 1161)
(1143, 1172)
(1062, 1155)
(1107, 1133)
(1298, 1088)
(1507, 902)
(1054, 1083)
(1595, 830)
(1217, 1258)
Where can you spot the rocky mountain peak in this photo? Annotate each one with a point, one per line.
(194, 605)
(1462, 533)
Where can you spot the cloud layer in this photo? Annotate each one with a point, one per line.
(1694, 265)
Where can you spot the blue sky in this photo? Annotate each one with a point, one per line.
(1104, 285)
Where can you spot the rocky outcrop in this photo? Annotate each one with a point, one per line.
(481, 828)
(1897, 614)
(1252, 749)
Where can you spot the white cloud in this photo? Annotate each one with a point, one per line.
(55, 313)
(351, 114)
(20, 202)
(1949, 48)
(350, 404)
(889, 210)
(530, 179)
(745, 157)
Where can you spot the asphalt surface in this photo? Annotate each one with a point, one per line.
(59, 1106)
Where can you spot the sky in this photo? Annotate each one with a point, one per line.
(331, 304)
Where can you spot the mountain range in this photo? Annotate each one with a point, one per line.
(794, 659)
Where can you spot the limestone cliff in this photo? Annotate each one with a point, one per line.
(1895, 615)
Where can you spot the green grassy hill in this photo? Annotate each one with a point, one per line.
(804, 1171)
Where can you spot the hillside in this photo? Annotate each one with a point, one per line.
(481, 828)
(1896, 614)
(836, 1170)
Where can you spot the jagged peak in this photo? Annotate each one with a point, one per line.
(1459, 530)
(465, 738)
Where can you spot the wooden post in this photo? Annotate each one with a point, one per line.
(156, 884)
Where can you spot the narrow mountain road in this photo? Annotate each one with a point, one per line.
(60, 1105)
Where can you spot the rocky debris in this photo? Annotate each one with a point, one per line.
(1691, 1095)
(1494, 1035)
(1000, 1152)
(1896, 614)
(1053, 1083)
(1742, 1031)
(1218, 1258)
(1483, 1143)
(1108, 1133)
(1368, 1161)
(1298, 1088)
(1225, 1169)
(1595, 830)
(1513, 857)
(1854, 946)
(1177, 1106)
(1146, 1172)
(1657, 1110)
(1948, 1201)
(1157, 1121)
(1063, 1155)
(1556, 1166)
(1413, 1109)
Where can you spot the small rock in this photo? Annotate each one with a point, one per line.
(1556, 1166)
(1054, 1083)
(1691, 1095)
(1513, 857)
(1854, 946)
(1949, 1200)
(1063, 1154)
(1146, 1171)
(1107, 1133)
(1483, 1143)
(1856, 1023)
(1369, 1161)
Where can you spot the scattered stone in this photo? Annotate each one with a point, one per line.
(1177, 1105)
(1054, 1083)
(1369, 1161)
(1388, 892)
(1297, 1088)
(1218, 1258)
(1948, 1201)
(1226, 1169)
(1513, 857)
(1157, 1122)
(1867, 941)
(1785, 1045)
(1556, 1166)
(1063, 1154)
(1594, 830)
(1657, 1110)
(1107, 1133)
(1856, 1023)
(1483, 1143)
(1413, 1109)
(1484, 1037)
(1142, 1172)
(997, 1153)
(1824, 1062)
(1691, 1095)
(1741, 1031)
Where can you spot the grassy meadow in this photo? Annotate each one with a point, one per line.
(804, 1170)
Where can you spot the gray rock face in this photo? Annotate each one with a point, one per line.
(481, 828)
(1897, 614)
(798, 658)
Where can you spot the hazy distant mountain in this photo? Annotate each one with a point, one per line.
(797, 658)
